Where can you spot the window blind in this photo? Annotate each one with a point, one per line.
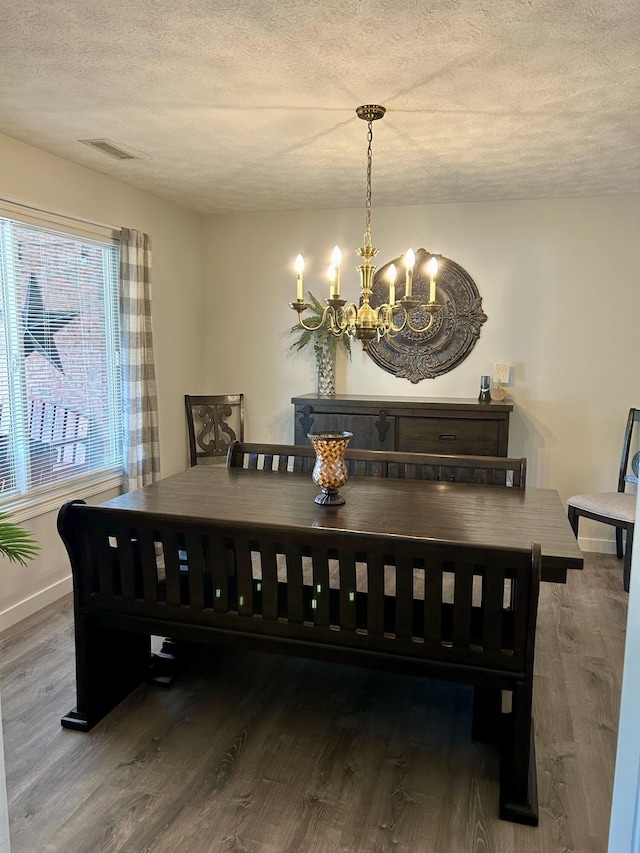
(60, 398)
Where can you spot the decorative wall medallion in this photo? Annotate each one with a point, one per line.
(455, 329)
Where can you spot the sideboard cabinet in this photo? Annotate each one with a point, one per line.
(411, 424)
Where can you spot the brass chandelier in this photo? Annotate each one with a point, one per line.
(363, 321)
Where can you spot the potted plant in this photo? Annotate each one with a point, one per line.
(325, 347)
(16, 543)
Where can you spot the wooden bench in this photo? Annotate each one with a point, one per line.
(486, 470)
(440, 610)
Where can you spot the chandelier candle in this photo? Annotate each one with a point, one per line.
(332, 281)
(410, 260)
(299, 270)
(363, 321)
(432, 268)
(336, 260)
(392, 284)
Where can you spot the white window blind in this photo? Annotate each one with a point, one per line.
(60, 401)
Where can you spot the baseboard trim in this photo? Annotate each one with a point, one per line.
(599, 546)
(28, 606)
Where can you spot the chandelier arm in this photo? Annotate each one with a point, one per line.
(418, 331)
(390, 326)
(328, 312)
(343, 317)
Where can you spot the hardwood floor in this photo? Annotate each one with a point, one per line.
(250, 753)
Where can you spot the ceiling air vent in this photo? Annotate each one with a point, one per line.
(111, 149)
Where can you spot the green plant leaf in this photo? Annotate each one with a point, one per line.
(319, 336)
(16, 543)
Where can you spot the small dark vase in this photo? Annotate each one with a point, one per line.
(330, 471)
(485, 393)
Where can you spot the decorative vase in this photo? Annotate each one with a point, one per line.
(330, 471)
(326, 371)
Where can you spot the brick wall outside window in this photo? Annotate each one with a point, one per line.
(68, 275)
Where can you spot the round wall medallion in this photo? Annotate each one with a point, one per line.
(455, 329)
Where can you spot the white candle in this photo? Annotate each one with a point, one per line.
(432, 267)
(331, 272)
(299, 269)
(392, 284)
(336, 260)
(409, 260)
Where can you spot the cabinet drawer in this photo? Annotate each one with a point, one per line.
(473, 437)
(368, 430)
(414, 425)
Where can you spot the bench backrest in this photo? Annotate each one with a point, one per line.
(452, 604)
(485, 470)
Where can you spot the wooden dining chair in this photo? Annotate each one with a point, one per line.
(214, 422)
(614, 508)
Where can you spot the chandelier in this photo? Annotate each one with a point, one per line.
(363, 321)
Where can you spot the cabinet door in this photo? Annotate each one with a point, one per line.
(370, 432)
(472, 436)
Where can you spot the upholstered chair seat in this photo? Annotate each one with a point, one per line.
(618, 505)
(614, 508)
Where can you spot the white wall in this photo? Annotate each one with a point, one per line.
(560, 281)
(30, 176)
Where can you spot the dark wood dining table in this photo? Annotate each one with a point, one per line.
(456, 513)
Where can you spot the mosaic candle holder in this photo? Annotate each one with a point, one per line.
(330, 471)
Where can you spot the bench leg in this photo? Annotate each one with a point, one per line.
(165, 664)
(486, 724)
(518, 777)
(109, 665)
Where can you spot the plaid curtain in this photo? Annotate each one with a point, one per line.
(141, 443)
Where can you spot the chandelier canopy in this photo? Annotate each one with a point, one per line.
(363, 321)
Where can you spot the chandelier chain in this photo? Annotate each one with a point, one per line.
(367, 232)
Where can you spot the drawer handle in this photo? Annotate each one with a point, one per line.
(447, 436)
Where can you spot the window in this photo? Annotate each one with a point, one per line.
(60, 399)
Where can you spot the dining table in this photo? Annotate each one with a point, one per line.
(388, 579)
(434, 511)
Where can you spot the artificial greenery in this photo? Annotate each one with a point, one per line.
(16, 543)
(320, 337)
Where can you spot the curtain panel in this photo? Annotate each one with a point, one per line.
(141, 451)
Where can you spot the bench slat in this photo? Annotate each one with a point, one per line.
(243, 562)
(269, 581)
(320, 593)
(493, 610)
(375, 595)
(404, 597)
(462, 604)
(295, 609)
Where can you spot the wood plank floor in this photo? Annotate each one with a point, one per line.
(251, 753)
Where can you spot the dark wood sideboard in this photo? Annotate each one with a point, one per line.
(411, 424)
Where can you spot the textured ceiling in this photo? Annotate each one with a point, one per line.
(250, 104)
